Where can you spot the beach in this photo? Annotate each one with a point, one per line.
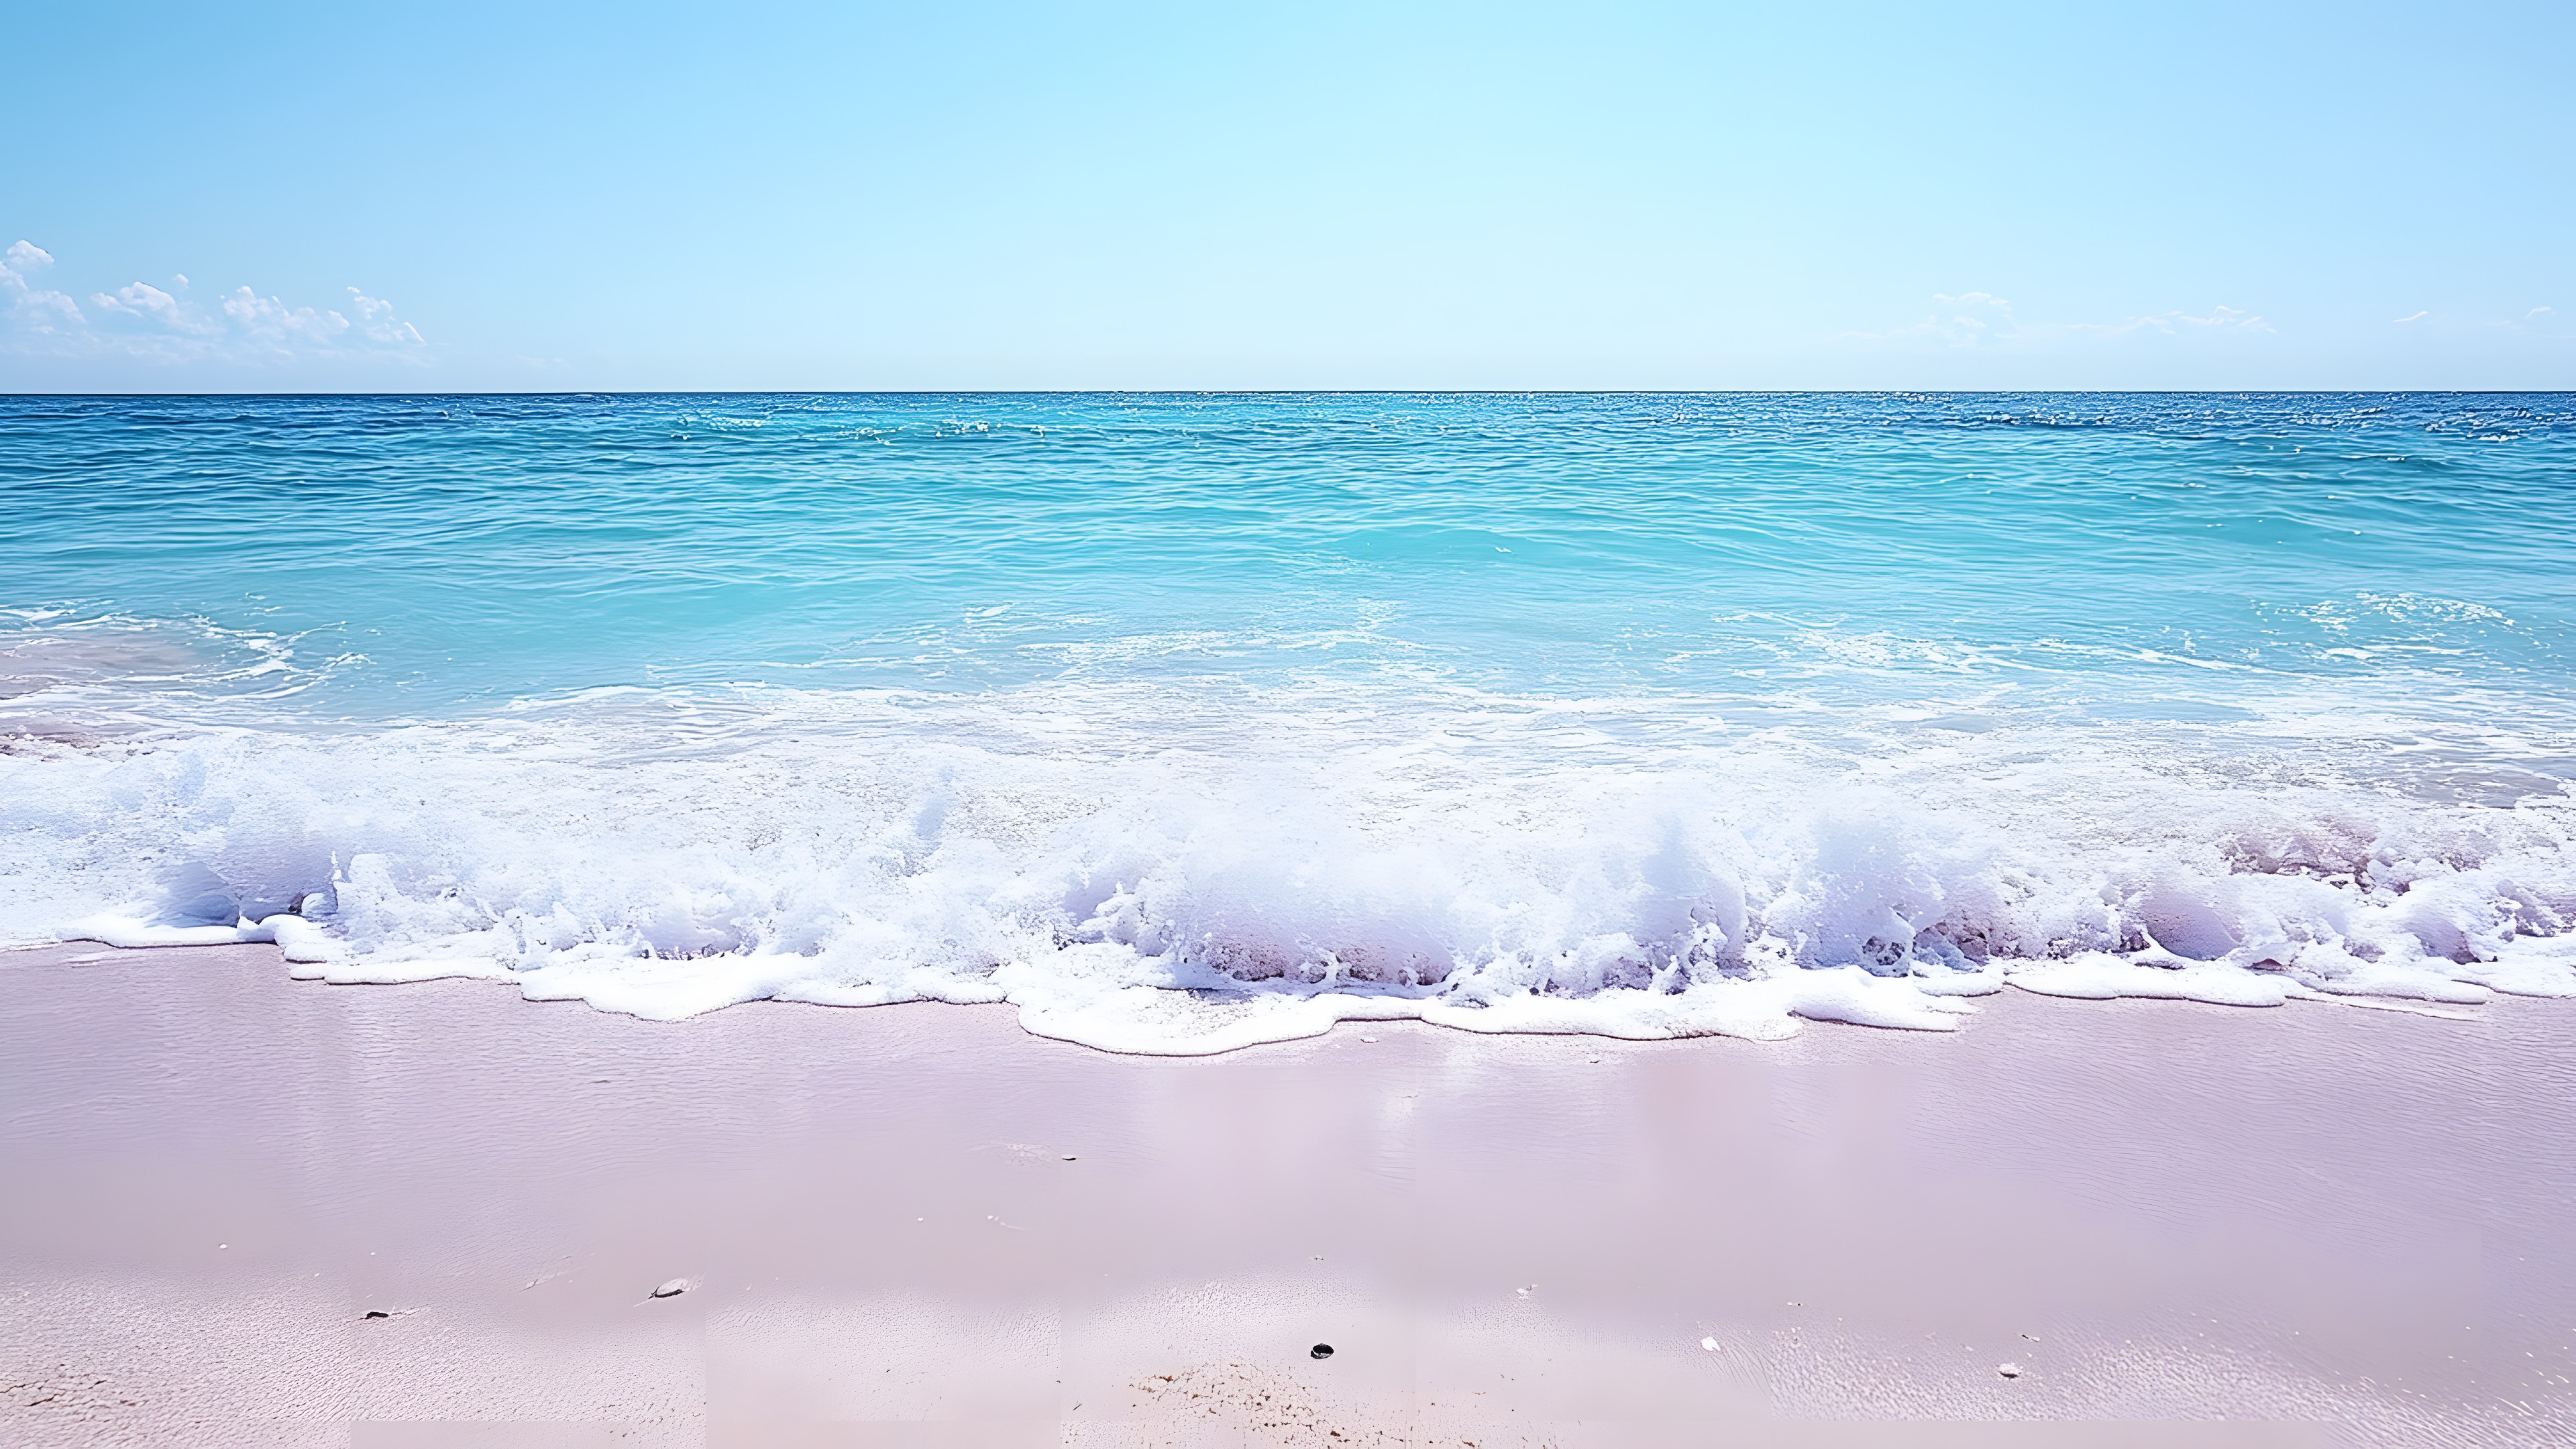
(2093, 1223)
(1013, 919)
(1327, 727)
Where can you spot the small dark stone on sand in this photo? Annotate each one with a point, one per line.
(1321, 1350)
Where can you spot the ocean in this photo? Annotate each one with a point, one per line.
(1188, 722)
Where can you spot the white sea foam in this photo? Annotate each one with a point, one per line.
(1157, 870)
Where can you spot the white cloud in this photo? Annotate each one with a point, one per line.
(150, 305)
(1972, 321)
(37, 311)
(145, 322)
(2219, 316)
(2539, 322)
(376, 316)
(269, 323)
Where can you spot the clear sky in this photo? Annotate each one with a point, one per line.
(535, 196)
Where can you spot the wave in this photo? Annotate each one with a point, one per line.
(1148, 869)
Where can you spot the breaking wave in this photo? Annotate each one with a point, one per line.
(1186, 722)
(1132, 877)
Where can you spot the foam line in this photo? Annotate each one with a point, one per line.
(1145, 898)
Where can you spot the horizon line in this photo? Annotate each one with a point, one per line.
(1216, 392)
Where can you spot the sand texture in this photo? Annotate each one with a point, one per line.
(2179, 1224)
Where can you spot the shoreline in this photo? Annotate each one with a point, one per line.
(2183, 1224)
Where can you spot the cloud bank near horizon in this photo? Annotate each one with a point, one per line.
(169, 327)
(1971, 320)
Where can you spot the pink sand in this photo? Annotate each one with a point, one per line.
(919, 1226)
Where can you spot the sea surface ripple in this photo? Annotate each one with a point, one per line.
(1185, 722)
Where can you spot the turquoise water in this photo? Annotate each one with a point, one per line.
(1183, 721)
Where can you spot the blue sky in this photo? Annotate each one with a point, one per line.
(548, 197)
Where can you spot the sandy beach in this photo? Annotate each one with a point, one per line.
(867, 726)
(246, 1210)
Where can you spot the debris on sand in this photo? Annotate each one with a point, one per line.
(1238, 1403)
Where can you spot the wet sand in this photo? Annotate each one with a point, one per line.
(2183, 1225)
